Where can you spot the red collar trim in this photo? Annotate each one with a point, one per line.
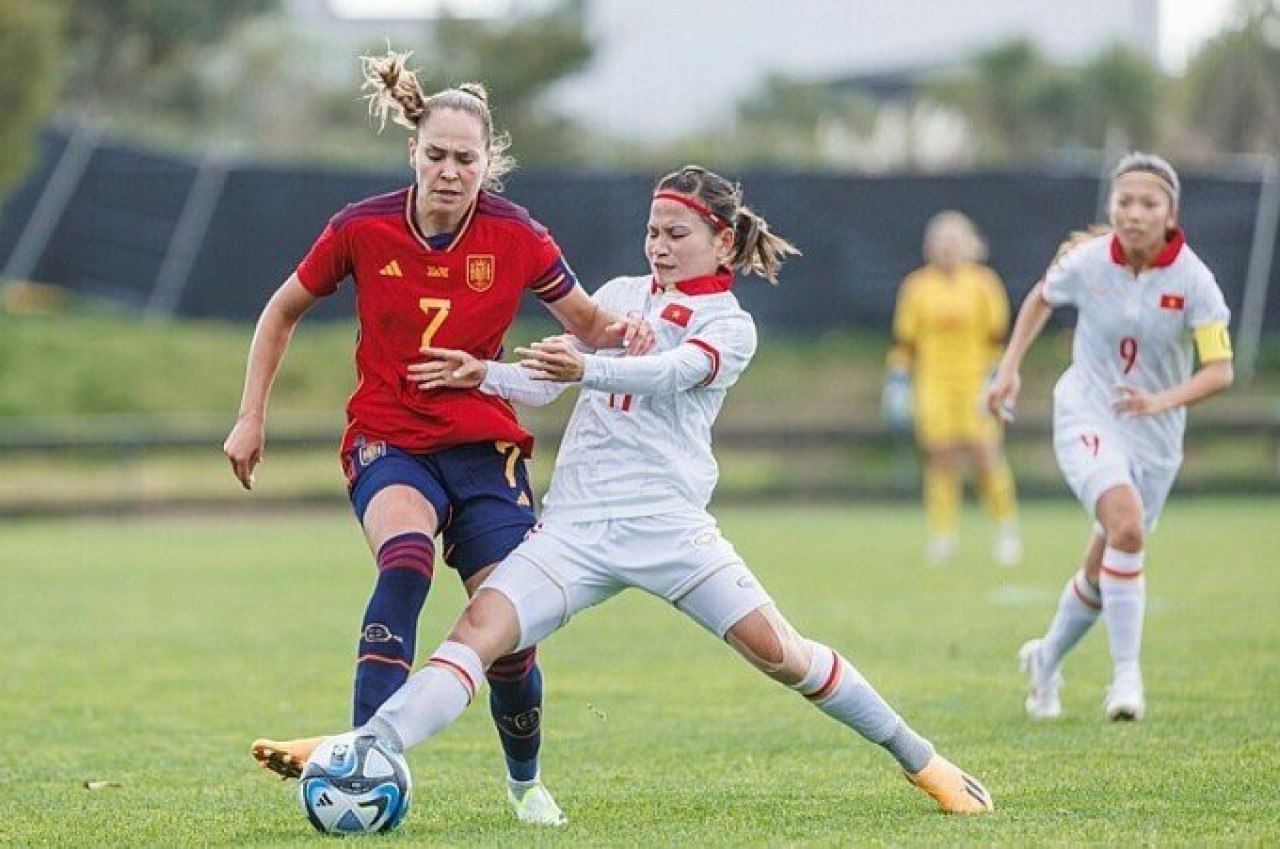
(1164, 259)
(711, 284)
(715, 219)
(411, 221)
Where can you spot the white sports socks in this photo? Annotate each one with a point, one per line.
(432, 698)
(1078, 608)
(837, 689)
(1124, 602)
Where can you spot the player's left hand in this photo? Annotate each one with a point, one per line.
(555, 358)
(1135, 401)
(446, 368)
(633, 334)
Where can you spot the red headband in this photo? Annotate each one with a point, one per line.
(718, 221)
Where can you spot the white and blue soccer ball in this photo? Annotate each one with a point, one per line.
(352, 783)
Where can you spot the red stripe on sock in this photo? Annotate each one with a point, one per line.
(467, 684)
(1088, 602)
(390, 661)
(513, 667)
(831, 683)
(1121, 576)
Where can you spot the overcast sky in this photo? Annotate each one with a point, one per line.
(1184, 23)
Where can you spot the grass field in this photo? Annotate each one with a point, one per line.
(148, 655)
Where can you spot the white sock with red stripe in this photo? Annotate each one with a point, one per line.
(837, 689)
(431, 699)
(1124, 601)
(1078, 608)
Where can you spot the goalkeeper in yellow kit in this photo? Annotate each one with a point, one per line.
(948, 328)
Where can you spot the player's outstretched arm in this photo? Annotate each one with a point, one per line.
(447, 368)
(600, 329)
(1002, 395)
(1209, 380)
(677, 370)
(245, 444)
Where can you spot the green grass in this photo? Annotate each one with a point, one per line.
(147, 655)
(114, 364)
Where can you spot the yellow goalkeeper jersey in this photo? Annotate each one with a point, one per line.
(952, 325)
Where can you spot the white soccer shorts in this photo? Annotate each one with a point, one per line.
(562, 568)
(1094, 457)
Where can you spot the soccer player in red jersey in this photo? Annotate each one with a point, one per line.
(443, 262)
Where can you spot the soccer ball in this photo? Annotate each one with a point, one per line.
(352, 783)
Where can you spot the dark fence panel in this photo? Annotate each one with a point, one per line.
(860, 235)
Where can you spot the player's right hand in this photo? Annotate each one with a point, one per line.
(1002, 395)
(244, 447)
(447, 368)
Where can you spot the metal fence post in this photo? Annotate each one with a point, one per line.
(1258, 279)
(53, 202)
(188, 236)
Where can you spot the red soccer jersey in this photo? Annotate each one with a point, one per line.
(461, 294)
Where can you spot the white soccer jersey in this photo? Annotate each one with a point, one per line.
(639, 440)
(1131, 330)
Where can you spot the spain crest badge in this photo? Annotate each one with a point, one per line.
(481, 269)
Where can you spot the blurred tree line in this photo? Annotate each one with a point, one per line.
(237, 75)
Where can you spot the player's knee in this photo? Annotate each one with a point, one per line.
(770, 644)
(1125, 533)
(488, 625)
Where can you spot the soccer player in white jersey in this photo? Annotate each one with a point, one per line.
(1143, 298)
(633, 477)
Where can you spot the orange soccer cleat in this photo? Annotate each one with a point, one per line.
(955, 791)
(286, 759)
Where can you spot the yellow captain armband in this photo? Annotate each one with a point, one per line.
(1213, 342)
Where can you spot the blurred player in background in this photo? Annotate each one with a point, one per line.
(444, 261)
(627, 503)
(948, 327)
(1142, 297)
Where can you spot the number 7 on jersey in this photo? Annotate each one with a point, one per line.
(437, 310)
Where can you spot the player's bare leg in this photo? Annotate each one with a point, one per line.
(837, 689)
(515, 700)
(1124, 600)
(437, 694)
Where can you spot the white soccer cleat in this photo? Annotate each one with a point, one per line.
(1044, 700)
(1007, 550)
(1125, 701)
(533, 804)
(940, 550)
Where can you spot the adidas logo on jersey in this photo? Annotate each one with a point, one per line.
(391, 269)
(523, 500)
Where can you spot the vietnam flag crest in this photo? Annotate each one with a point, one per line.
(677, 314)
(1172, 302)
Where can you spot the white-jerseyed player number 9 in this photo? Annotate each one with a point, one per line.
(1129, 353)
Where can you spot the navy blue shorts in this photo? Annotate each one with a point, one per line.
(480, 492)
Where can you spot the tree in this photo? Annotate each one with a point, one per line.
(1017, 103)
(120, 49)
(798, 123)
(517, 60)
(1120, 89)
(28, 62)
(1020, 106)
(1231, 91)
